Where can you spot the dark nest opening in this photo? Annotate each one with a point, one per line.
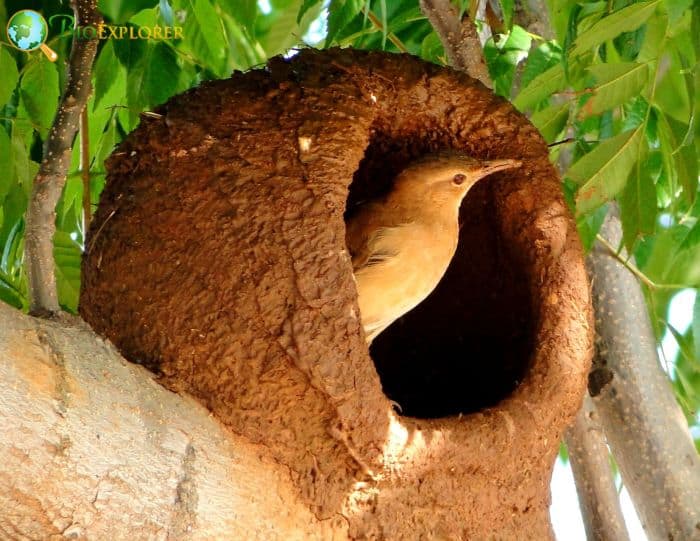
(468, 345)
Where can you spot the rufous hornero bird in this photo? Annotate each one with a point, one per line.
(402, 244)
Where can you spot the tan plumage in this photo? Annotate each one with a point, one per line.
(402, 245)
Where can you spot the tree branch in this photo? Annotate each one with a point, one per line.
(49, 181)
(85, 166)
(459, 38)
(600, 505)
(93, 448)
(644, 425)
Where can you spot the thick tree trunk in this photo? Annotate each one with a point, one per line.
(644, 425)
(93, 448)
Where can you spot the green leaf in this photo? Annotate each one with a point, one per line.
(502, 57)
(560, 14)
(540, 60)
(685, 343)
(243, 11)
(120, 11)
(67, 255)
(385, 25)
(22, 171)
(616, 83)
(306, 5)
(551, 121)
(638, 203)
(340, 13)
(11, 231)
(39, 91)
(672, 91)
(589, 226)
(6, 179)
(203, 35)
(10, 75)
(695, 325)
(603, 172)
(542, 86)
(279, 30)
(682, 161)
(685, 267)
(675, 257)
(10, 294)
(103, 70)
(624, 20)
(244, 50)
(663, 249)
(676, 9)
(108, 140)
(687, 377)
(507, 9)
(152, 71)
(153, 80)
(432, 49)
(654, 38)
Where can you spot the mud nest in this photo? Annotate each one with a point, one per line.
(217, 259)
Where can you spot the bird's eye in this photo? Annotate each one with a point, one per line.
(458, 179)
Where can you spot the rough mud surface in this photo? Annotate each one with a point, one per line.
(217, 259)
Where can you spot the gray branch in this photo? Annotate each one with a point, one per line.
(51, 177)
(459, 38)
(93, 448)
(645, 428)
(600, 505)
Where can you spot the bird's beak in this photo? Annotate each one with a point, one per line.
(491, 166)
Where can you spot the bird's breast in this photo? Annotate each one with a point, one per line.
(393, 287)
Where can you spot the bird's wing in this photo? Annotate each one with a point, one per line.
(373, 249)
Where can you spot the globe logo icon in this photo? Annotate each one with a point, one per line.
(27, 31)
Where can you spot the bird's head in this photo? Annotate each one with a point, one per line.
(446, 177)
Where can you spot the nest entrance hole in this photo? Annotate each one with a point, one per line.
(468, 345)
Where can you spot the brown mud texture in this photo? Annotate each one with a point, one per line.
(217, 259)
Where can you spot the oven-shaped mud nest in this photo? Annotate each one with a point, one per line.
(217, 258)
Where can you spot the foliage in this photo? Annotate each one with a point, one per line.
(614, 89)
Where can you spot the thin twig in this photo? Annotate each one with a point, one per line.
(99, 230)
(634, 270)
(562, 142)
(390, 35)
(459, 38)
(49, 181)
(572, 140)
(85, 166)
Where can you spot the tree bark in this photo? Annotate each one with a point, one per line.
(93, 448)
(459, 38)
(49, 181)
(644, 425)
(590, 463)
